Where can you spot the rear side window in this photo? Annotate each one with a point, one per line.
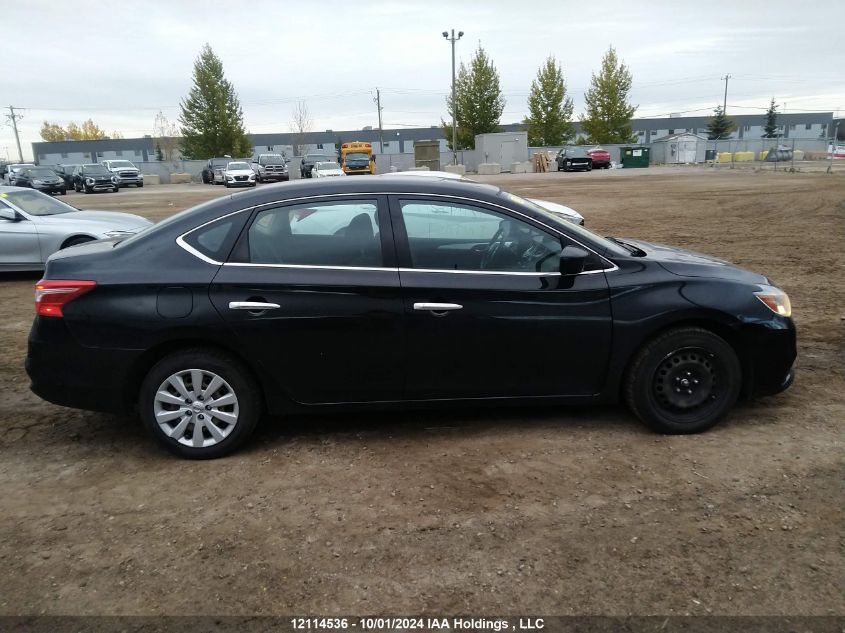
(216, 239)
(340, 233)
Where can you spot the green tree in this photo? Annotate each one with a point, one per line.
(719, 126)
(212, 119)
(770, 129)
(608, 115)
(549, 107)
(159, 153)
(479, 101)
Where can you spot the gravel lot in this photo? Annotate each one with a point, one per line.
(555, 511)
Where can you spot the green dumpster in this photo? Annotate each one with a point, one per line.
(634, 156)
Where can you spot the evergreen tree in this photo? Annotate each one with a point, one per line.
(212, 119)
(771, 127)
(549, 108)
(478, 99)
(608, 115)
(720, 125)
(159, 153)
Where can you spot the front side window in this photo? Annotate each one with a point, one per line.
(339, 233)
(453, 236)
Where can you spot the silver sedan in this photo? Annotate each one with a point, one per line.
(34, 225)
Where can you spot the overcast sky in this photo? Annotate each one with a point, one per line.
(120, 63)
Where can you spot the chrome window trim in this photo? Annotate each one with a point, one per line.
(181, 242)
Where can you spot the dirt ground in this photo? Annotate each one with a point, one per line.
(553, 511)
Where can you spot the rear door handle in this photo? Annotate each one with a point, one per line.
(252, 306)
(437, 307)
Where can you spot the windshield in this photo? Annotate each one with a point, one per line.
(42, 173)
(36, 203)
(327, 166)
(122, 163)
(219, 162)
(602, 244)
(577, 152)
(237, 166)
(95, 170)
(271, 160)
(317, 159)
(357, 156)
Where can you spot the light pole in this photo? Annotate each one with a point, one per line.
(454, 39)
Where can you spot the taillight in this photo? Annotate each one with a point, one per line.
(52, 294)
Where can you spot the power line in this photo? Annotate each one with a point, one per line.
(13, 121)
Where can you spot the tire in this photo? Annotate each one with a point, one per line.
(691, 360)
(140, 185)
(162, 395)
(116, 189)
(63, 191)
(86, 189)
(76, 186)
(76, 241)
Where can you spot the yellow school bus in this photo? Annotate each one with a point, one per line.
(357, 158)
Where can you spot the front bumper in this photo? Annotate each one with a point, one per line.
(100, 186)
(278, 177)
(769, 357)
(130, 180)
(56, 188)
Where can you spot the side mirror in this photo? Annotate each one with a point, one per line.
(9, 214)
(573, 260)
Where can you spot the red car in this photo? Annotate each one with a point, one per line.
(601, 158)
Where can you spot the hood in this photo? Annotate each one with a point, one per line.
(691, 264)
(47, 179)
(240, 172)
(108, 176)
(99, 220)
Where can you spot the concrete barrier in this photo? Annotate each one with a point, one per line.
(489, 169)
(798, 154)
(152, 179)
(518, 168)
(724, 157)
(456, 169)
(178, 179)
(423, 168)
(742, 157)
(762, 155)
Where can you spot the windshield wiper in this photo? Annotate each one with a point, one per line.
(636, 252)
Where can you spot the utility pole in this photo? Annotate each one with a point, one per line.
(380, 135)
(725, 102)
(13, 119)
(454, 39)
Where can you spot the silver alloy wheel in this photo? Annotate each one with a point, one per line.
(196, 407)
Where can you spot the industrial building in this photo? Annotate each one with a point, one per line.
(803, 125)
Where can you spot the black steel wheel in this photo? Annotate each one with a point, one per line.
(683, 381)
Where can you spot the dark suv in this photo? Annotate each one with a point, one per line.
(308, 163)
(211, 165)
(94, 177)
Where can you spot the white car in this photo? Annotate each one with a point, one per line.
(326, 170)
(564, 212)
(34, 225)
(236, 173)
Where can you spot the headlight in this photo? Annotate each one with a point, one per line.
(89, 181)
(118, 233)
(141, 176)
(775, 299)
(114, 178)
(37, 182)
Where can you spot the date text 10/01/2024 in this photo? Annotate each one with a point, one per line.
(415, 623)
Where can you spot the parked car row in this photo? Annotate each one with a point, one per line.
(109, 175)
(264, 167)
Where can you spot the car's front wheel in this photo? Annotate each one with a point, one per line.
(200, 404)
(683, 381)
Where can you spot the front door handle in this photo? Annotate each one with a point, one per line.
(253, 306)
(437, 307)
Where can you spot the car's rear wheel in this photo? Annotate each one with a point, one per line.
(683, 381)
(200, 404)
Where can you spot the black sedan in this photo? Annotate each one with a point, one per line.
(42, 179)
(574, 159)
(345, 292)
